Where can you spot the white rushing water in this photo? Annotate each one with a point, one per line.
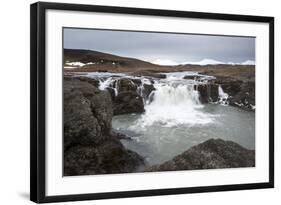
(174, 105)
(223, 97)
(175, 100)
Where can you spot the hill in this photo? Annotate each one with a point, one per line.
(78, 60)
(90, 61)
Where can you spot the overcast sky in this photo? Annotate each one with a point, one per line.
(168, 47)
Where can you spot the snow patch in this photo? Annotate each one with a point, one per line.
(165, 62)
(78, 64)
(202, 62)
(205, 62)
(248, 62)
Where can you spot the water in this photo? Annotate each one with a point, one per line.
(159, 143)
(174, 104)
(223, 97)
(175, 120)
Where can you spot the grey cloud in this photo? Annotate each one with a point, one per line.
(152, 46)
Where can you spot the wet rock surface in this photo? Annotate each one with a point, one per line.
(125, 84)
(211, 154)
(128, 102)
(148, 74)
(191, 77)
(129, 99)
(147, 90)
(89, 145)
(241, 93)
(208, 92)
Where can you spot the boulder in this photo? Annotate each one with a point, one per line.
(147, 89)
(90, 146)
(87, 113)
(136, 81)
(125, 84)
(108, 158)
(128, 102)
(128, 99)
(208, 92)
(211, 154)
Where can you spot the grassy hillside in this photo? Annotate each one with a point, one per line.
(98, 61)
(93, 61)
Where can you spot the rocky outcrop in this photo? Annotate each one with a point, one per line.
(107, 158)
(208, 92)
(92, 81)
(89, 145)
(147, 90)
(211, 154)
(128, 102)
(245, 98)
(241, 93)
(128, 99)
(191, 77)
(125, 84)
(87, 113)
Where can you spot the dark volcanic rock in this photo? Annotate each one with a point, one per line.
(92, 81)
(87, 113)
(211, 154)
(204, 93)
(147, 89)
(246, 97)
(125, 84)
(241, 93)
(128, 102)
(214, 92)
(111, 92)
(89, 145)
(191, 77)
(108, 157)
(229, 85)
(128, 99)
(208, 92)
(136, 81)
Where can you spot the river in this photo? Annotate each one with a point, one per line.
(175, 119)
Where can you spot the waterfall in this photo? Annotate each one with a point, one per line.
(175, 100)
(174, 104)
(223, 97)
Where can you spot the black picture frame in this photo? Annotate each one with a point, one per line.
(38, 100)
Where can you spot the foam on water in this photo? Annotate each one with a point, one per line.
(174, 104)
(175, 100)
(223, 97)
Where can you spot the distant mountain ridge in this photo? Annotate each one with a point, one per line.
(202, 62)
